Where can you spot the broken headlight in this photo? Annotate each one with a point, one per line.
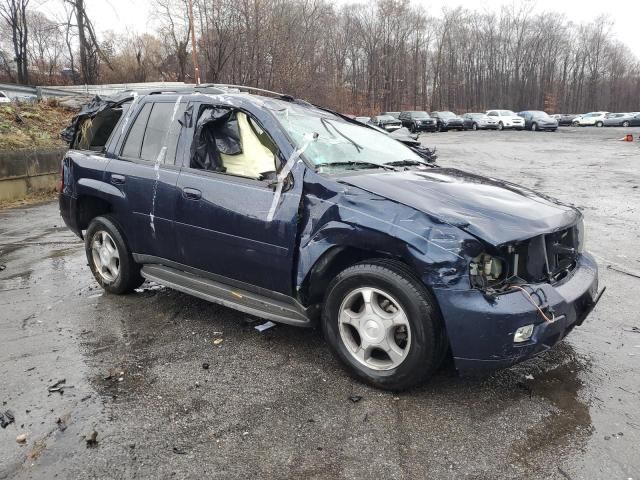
(485, 270)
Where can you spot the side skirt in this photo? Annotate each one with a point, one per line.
(260, 305)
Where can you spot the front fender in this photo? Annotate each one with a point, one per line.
(337, 215)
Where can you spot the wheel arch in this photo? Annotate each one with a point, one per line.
(89, 207)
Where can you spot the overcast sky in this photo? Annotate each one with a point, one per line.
(135, 15)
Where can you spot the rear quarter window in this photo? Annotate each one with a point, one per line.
(133, 143)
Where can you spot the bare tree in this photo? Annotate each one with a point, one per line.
(14, 13)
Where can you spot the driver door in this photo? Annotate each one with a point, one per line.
(222, 217)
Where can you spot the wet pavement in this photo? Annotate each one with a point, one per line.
(276, 404)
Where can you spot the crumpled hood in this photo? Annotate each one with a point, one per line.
(495, 211)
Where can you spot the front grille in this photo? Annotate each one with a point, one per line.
(549, 257)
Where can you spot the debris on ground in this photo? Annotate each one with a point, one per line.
(179, 450)
(2, 267)
(528, 377)
(63, 422)
(205, 366)
(7, 418)
(633, 329)
(564, 474)
(355, 398)
(621, 270)
(59, 386)
(265, 326)
(22, 438)
(218, 341)
(92, 439)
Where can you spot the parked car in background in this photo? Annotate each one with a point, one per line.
(506, 119)
(417, 121)
(479, 121)
(362, 119)
(290, 212)
(395, 115)
(386, 122)
(4, 98)
(622, 120)
(538, 120)
(590, 119)
(564, 119)
(447, 121)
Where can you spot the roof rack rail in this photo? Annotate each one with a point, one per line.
(243, 87)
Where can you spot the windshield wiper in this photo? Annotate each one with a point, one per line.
(406, 163)
(352, 163)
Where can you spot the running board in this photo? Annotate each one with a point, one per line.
(217, 292)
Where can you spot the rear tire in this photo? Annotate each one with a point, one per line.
(109, 257)
(626, 123)
(376, 307)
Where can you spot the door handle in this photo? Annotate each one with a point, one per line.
(191, 193)
(117, 179)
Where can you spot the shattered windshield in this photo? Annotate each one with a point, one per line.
(326, 139)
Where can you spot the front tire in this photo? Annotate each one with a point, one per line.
(626, 123)
(500, 126)
(383, 325)
(599, 124)
(109, 257)
(474, 127)
(534, 126)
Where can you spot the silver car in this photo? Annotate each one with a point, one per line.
(479, 121)
(621, 120)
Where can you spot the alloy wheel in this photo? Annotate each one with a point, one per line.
(106, 257)
(374, 328)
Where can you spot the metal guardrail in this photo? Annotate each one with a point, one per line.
(36, 92)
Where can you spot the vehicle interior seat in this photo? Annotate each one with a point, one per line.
(228, 141)
(254, 158)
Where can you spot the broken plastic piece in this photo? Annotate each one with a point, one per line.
(7, 418)
(265, 326)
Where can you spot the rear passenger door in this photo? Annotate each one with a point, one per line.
(146, 173)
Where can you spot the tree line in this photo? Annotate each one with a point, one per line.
(360, 58)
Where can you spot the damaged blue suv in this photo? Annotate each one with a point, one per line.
(294, 213)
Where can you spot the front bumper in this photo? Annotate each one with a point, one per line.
(425, 127)
(481, 330)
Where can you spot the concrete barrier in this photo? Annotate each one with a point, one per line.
(28, 171)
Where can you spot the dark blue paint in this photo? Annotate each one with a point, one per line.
(435, 220)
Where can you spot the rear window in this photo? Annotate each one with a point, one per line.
(2, 95)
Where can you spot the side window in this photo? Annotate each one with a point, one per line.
(492, 114)
(231, 142)
(161, 136)
(133, 143)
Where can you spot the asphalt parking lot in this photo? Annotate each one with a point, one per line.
(276, 404)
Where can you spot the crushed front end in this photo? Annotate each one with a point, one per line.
(526, 296)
